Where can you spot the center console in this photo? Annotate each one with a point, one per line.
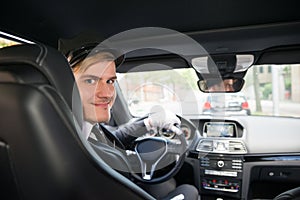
(220, 175)
(220, 157)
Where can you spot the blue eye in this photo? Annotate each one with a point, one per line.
(90, 81)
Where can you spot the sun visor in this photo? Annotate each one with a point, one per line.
(280, 55)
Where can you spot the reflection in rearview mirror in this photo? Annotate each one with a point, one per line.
(214, 85)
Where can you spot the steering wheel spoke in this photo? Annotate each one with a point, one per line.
(155, 153)
(145, 174)
(174, 146)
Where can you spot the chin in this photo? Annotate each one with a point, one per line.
(102, 119)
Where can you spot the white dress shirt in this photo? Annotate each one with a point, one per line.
(86, 130)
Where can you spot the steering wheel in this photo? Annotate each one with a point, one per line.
(292, 194)
(151, 152)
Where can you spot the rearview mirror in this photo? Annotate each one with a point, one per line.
(215, 85)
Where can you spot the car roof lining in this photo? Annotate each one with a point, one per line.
(210, 22)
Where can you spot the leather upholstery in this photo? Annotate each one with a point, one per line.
(41, 153)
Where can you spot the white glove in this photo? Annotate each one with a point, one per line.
(160, 118)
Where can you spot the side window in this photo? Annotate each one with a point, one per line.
(6, 42)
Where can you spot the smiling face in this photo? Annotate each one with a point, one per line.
(97, 90)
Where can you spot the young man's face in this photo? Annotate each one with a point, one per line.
(226, 86)
(97, 90)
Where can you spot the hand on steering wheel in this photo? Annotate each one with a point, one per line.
(159, 118)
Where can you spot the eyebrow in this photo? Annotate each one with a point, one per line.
(97, 77)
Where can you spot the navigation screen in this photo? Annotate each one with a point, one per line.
(219, 129)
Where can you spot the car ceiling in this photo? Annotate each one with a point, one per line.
(221, 26)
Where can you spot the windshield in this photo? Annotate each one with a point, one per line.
(272, 90)
(174, 89)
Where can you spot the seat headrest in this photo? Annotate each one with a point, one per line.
(35, 63)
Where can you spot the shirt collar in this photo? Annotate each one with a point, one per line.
(86, 129)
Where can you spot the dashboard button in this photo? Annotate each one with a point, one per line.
(220, 163)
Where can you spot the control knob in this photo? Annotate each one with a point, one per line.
(220, 163)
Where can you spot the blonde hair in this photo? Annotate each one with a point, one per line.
(92, 59)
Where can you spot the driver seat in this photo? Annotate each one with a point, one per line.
(41, 153)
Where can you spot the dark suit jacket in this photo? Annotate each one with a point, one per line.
(127, 133)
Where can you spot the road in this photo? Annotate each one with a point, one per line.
(195, 108)
(286, 108)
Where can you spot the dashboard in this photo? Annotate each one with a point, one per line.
(244, 157)
(241, 157)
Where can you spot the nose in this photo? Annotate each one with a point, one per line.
(229, 88)
(104, 90)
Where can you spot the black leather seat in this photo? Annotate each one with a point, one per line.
(41, 153)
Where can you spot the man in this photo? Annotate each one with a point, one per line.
(94, 69)
(95, 75)
(221, 86)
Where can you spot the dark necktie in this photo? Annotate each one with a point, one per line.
(96, 130)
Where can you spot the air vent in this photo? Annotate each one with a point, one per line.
(237, 147)
(221, 146)
(205, 145)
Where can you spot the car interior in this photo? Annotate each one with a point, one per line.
(229, 70)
